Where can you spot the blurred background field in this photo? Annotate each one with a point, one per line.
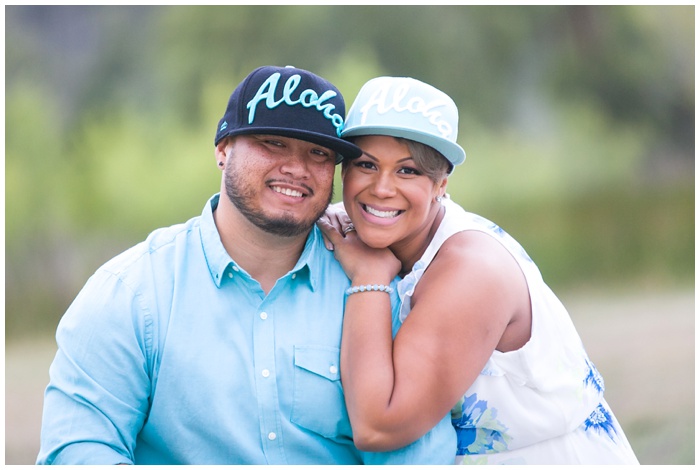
(578, 122)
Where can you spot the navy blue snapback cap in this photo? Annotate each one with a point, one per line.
(289, 102)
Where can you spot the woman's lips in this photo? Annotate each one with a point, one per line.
(380, 215)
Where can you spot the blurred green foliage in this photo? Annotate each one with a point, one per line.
(578, 122)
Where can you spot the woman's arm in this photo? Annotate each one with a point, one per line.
(470, 294)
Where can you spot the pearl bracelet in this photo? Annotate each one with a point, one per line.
(368, 288)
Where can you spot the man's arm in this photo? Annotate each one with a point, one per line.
(97, 398)
(438, 447)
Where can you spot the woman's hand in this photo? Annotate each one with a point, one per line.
(337, 217)
(362, 264)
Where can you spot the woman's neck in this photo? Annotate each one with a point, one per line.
(410, 250)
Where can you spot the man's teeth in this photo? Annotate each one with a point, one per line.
(383, 214)
(287, 191)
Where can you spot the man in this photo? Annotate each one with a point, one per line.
(217, 341)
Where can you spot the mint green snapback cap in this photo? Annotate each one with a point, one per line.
(408, 108)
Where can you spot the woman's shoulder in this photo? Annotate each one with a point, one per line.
(471, 250)
(474, 265)
(470, 261)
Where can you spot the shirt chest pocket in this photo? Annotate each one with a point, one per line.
(318, 403)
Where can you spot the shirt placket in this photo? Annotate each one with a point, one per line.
(266, 385)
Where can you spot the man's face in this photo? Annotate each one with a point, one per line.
(280, 184)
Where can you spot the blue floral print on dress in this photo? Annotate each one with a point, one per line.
(593, 378)
(601, 421)
(478, 430)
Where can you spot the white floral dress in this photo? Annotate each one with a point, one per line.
(541, 404)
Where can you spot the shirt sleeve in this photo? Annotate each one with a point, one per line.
(437, 447)
(98, 394)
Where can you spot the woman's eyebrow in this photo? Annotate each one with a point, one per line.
(369, 155)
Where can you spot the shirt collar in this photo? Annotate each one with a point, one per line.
(218, 259)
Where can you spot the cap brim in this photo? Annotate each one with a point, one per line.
(453, 152)
(342, 148)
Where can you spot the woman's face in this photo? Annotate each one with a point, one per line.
(387, 197)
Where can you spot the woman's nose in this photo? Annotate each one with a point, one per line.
(384, 186)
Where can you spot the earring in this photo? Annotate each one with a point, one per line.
(221, 164)
(438, 198)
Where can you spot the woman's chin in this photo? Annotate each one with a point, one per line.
(375, 240)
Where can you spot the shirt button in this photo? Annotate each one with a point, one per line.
(333, 370)
(272, 436)
(263, 315)
(235, 268)
(265, 373)
(230, 275)
(294, 276)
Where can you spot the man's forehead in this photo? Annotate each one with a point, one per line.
(286, 138)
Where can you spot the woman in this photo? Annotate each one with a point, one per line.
(479, 328)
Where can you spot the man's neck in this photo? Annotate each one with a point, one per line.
(265, 256)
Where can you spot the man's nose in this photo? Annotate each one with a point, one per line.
(296, 164)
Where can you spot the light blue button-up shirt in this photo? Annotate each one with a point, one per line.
(173, 354)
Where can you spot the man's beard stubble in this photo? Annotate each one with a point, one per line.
(285, 226)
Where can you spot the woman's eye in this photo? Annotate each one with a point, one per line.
(364, 164)
(409, 171)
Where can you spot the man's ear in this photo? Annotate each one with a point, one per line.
(220, 152)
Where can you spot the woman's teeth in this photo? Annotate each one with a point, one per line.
(382, 214)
